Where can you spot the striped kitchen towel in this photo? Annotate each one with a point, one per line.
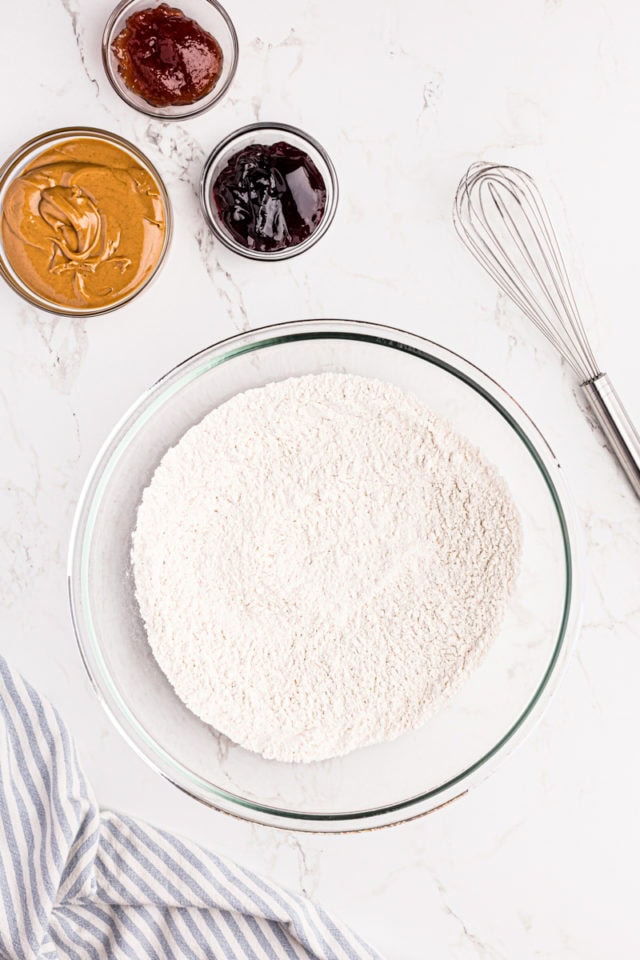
(79, 884)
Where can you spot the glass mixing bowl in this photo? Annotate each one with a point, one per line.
(377, 785)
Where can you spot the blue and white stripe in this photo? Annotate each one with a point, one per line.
(79, 884)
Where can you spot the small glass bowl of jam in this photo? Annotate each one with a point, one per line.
(171, 60)
(269, 191)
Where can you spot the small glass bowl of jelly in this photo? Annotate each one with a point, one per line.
(229, 221)
(210, 16)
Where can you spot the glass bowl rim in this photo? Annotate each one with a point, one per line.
(190, 110)
(133, 420)
(14, 161)
(206, 204)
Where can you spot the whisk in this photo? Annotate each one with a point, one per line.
(500, 215)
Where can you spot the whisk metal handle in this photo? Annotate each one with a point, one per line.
(614, 420)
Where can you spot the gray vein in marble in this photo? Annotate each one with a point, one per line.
(71, 9)
(18, 563)
(71, 463)
(400, 872)
(307, 871)
(290, 40)
(508, 317)
(222, 745)
(266, 55)
(24, 446)
(66, 342)
(615, 530)
(177, 148)
(483, 950)
(229, 291)
(502, 837)
(254, 101)
(302, 283)
(503, 322)
(613, 621)
(256, 106)
(17, 566)
(593, 692)
(397, 50)
(431, 91)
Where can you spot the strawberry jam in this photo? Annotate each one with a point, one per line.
(166, 58)
(270, 196)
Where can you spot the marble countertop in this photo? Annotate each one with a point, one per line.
(539, 861)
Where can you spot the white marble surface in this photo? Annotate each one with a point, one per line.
(540, 860)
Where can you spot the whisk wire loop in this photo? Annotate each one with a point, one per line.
(501, 217)
(554, 308)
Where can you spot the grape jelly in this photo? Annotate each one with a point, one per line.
(270, 196)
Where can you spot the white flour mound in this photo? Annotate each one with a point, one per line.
(320, 562)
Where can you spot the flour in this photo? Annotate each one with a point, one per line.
(320, 562)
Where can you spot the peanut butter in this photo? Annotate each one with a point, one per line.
(84, 224)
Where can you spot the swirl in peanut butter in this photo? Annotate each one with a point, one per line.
(83, 225)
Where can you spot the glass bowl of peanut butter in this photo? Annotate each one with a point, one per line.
(85, 221)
